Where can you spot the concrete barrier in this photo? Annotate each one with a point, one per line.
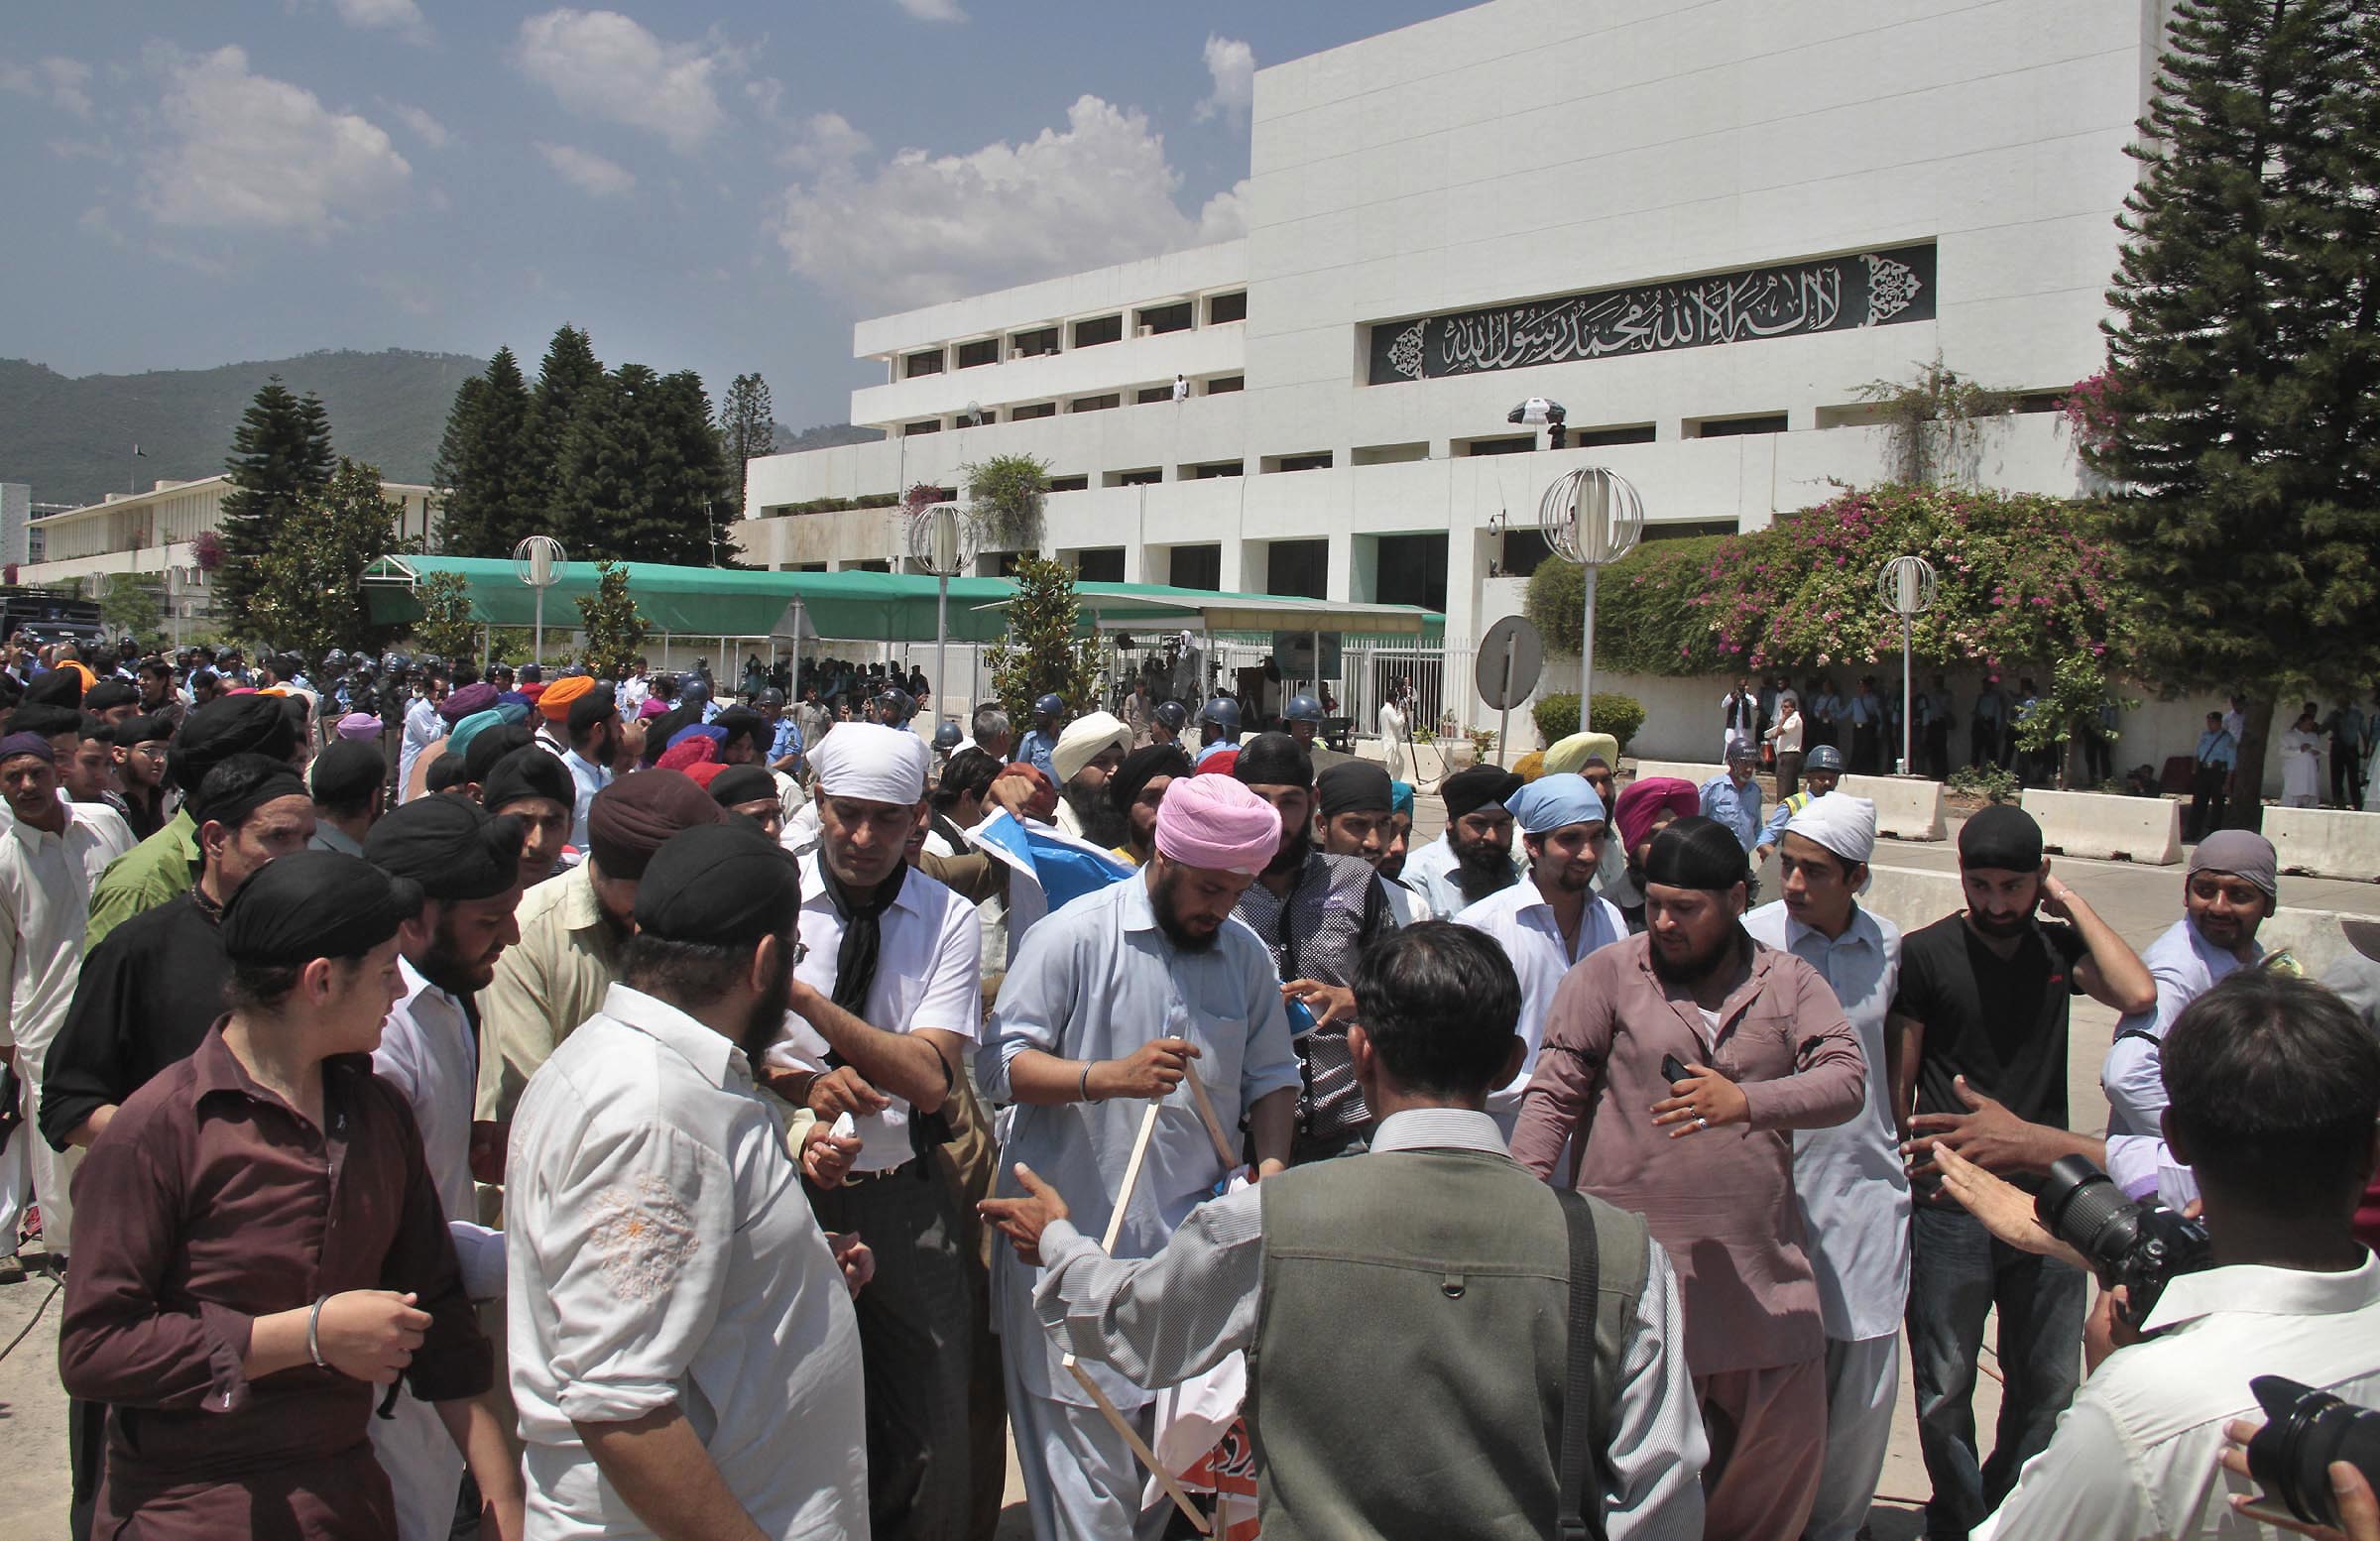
(2147, 830)
(1907, 807)
(2326, 842)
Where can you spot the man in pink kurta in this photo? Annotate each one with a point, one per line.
(1708, 1159)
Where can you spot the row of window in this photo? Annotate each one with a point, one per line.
(1147, 322)
(1143, 396)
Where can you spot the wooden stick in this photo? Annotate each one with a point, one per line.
(1099, 1398)
(1131, 1435)
(1206, 1116)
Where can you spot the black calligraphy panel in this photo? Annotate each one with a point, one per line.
(1786, 299)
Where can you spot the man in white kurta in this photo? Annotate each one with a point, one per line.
(1107, 1004)
(1549, 920)
(2302, 745)
(51, 854)
(2231, 888)
(467, 863)
(681, 1340)
(1848, 1180)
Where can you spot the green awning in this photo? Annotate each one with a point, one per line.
(851, 606)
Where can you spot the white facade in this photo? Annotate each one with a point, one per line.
(1521, 151)
(16, 513)
(149, 535)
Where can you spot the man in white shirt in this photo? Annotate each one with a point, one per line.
(684, 1356)
(467, 863)
(1110, 1002)
(50, 853)
(2234, 886)
(1549, 920)
(1329, 1275)
(422, 728)
(593, 724)
(2274, 1086)
(1474, 856)
(1852, 1191)
(885, 1000)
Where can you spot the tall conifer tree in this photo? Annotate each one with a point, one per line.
(492, 491)
(281, 457)
(2244, 357)
(747, 428)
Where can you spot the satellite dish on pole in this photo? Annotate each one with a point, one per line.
(536, 562)
(1593, 518)
(1906, 584)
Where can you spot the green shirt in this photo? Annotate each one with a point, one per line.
(160, 868)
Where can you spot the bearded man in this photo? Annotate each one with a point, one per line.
(1474, 858)
(1089, 751)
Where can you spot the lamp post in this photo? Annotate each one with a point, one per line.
(536, 562)
(941, 541)
(1907, 585)
(1592, 517)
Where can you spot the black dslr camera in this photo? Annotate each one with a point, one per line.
(2141, 1247)
(2304, 1431)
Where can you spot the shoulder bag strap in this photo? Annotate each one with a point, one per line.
(1582, 1514)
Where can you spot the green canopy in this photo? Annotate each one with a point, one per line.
(848, 606)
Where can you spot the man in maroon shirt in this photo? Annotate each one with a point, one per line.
(1705, 1156)
(275, 1249)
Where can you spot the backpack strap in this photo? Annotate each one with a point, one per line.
(1581, 1517)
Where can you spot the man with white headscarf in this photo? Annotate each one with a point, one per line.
(1088, 753)
(1110, 1002)
(885, 1002)
(1849, 1179)
(1550, 919)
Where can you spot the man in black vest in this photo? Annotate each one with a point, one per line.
(1449, 1391)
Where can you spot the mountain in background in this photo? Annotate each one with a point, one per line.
(72, 438)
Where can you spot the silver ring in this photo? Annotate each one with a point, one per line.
(1701, 1123)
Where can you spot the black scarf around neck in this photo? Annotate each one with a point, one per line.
(863, 935)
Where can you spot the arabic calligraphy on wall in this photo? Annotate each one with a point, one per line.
(1786, 299)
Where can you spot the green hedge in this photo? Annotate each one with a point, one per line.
(1618, 715)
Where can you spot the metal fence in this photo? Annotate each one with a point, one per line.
(1437, 675)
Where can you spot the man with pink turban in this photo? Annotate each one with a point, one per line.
(1641, 811)
(1111, 1002)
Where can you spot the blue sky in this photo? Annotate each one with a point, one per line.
(721, 186)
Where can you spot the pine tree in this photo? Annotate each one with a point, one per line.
(613, 626)
(1045, 651)
(281, 456)
(2242, 361)
(309, 595)
(569, 374)
(747, 428)
(642, 473)
(492, 495)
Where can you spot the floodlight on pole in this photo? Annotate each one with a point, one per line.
(536, 562)
(1593, 518)
(942, 541)
(1906, 584)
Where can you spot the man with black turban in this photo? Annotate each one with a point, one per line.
(167, 863)
(683, 1340)
(534, 788)
(467, 863)
(1706, 1157)
(269, 1210)
(1137, 790)
(1474, 858)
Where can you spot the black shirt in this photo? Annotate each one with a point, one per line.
(1999, 1022)
(148, 995)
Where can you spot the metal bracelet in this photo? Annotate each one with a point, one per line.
(314, 1333)
(1083, 1087)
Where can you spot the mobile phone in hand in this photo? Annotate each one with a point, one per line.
(1673, 1069)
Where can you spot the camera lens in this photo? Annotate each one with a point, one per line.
(2305, 1431)
(2083, 1208)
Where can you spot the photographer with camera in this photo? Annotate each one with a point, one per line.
(2273, 1091)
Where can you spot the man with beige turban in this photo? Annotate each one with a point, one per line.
(1088, 753)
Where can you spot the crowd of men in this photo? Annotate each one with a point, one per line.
(576, 1108)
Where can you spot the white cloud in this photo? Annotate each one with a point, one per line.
(828, 141)
(425, 128)
(922, 228)
(1232, 66)
(403, 17)
(601, 64)
(932, 10)
(588, 171)
(244, 151)
(60, 82)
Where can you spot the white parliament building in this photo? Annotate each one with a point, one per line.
(1700, 225)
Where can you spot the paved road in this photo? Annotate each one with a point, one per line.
(2138, 902)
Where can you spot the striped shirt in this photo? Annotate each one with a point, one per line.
(1335, 909)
